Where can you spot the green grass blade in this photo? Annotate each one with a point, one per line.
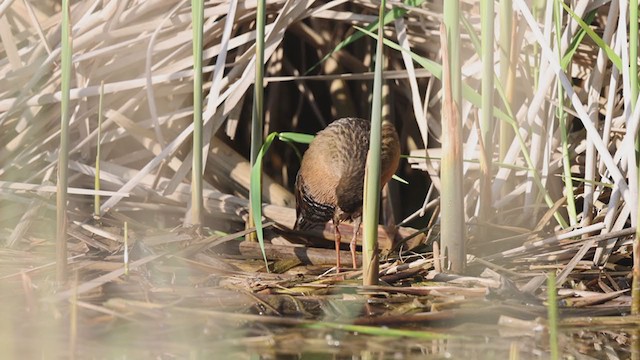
(290, 138)
(296, 137)
(613, 57)
(577, 40)
(387, 18)
(475, 40)
(255, 197)
(257, 115)
(401, 180)
(592, 182)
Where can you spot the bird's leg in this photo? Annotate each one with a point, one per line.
(337, 237)
(352, 245)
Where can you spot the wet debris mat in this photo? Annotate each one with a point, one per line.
(183, 295)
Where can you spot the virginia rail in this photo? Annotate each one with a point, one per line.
(329, 185)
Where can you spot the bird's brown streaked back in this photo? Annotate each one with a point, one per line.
(329, 185)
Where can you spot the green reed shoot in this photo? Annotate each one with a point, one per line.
(197, 14)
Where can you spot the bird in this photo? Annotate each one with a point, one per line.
(330, 182)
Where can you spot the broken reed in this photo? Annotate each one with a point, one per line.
(96, 178)
(371, 197)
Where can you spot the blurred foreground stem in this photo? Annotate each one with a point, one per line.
(63, 154)
(451, 199)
